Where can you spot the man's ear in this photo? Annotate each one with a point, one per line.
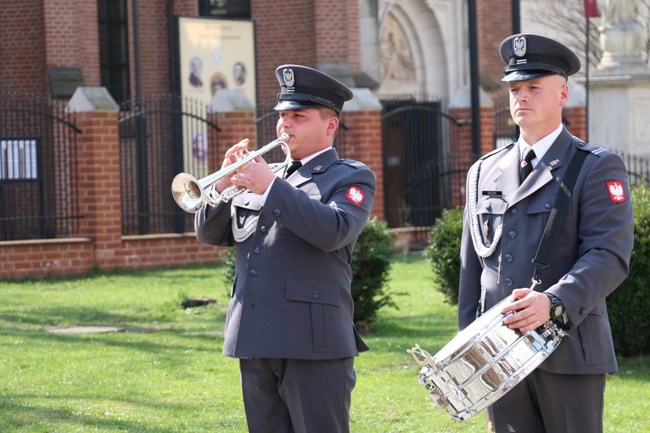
(332, 125)
(564, 91)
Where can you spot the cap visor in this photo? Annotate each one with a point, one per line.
(525, 75)
(295, 105)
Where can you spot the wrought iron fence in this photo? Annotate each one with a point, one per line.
(638, 169)
(420, 174)
(38, 168)
(161, 135)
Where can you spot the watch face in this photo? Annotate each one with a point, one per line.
(558, 311)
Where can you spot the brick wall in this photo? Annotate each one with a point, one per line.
(155, 47)
(462, 148)
(493, 25)
(575, 119)
(72, 37)
(284, 34)
(363, 143)
(22, 49)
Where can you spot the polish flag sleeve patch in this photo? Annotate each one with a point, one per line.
(355, 195)
(616, 191)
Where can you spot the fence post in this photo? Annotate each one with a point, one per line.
(234, 114)
(460, 109)
(362, 116)
(99, 173)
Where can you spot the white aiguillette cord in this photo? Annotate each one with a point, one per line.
(481, 249)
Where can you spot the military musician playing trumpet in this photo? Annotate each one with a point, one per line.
(290, 315)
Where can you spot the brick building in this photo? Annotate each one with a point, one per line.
(128, 48)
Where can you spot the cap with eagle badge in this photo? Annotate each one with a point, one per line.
(529, 56)
(305, 87)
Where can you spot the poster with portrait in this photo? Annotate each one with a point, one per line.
(214, 54)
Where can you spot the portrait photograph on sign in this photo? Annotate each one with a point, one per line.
(214, 54)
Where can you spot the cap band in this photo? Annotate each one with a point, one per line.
(307, 98)
(537, 61)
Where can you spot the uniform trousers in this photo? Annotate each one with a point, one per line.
(297, 396)
(546, 402)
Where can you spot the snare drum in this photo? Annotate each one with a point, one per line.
(483, 362)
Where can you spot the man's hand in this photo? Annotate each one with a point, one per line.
(529, 309)
(256, 176)
(233, 154)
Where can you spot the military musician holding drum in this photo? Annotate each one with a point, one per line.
(506, 214)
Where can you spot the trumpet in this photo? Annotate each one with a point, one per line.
(191, 194)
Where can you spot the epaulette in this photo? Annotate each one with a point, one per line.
(351, 163)
(594, 150)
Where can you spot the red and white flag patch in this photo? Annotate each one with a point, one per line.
(355, 195)
(616, 192)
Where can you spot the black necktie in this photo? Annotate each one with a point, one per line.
(526, 163)
(295, 165)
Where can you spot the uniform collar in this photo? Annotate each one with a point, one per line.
(541, 147)
(306, 159)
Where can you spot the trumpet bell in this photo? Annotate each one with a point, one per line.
(190, 192)
(187, 192)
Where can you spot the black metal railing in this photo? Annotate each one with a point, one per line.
(419, 171)
(161, 135)
(38, 168)
(638, 168)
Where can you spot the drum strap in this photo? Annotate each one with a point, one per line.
(543, 257)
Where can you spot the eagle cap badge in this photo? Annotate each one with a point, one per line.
(519, 46)
(289, 79)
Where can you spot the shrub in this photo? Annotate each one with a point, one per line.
(229, 259)
(371, 261)
(629, 305)
(443, 252)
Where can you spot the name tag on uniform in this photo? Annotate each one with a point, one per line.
(494, 193)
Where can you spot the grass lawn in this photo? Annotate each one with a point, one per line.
(165, 373)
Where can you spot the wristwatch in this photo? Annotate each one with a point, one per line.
(557, 306)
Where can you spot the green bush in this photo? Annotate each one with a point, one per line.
(443, 252)
(629, 305)
(229, 259)
(371, 262)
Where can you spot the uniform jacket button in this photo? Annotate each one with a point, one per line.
(276, 212)
(512, 234)
(513, 211)
(583, 311)
(509, 258)
(508, 281)
(257, 250)
(315, 295)
(252, 272)
(264, 229)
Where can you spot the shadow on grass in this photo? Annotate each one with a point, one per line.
(391, 335)
(111, 340)
(31, 325)
(95, 316)
(16, 414)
